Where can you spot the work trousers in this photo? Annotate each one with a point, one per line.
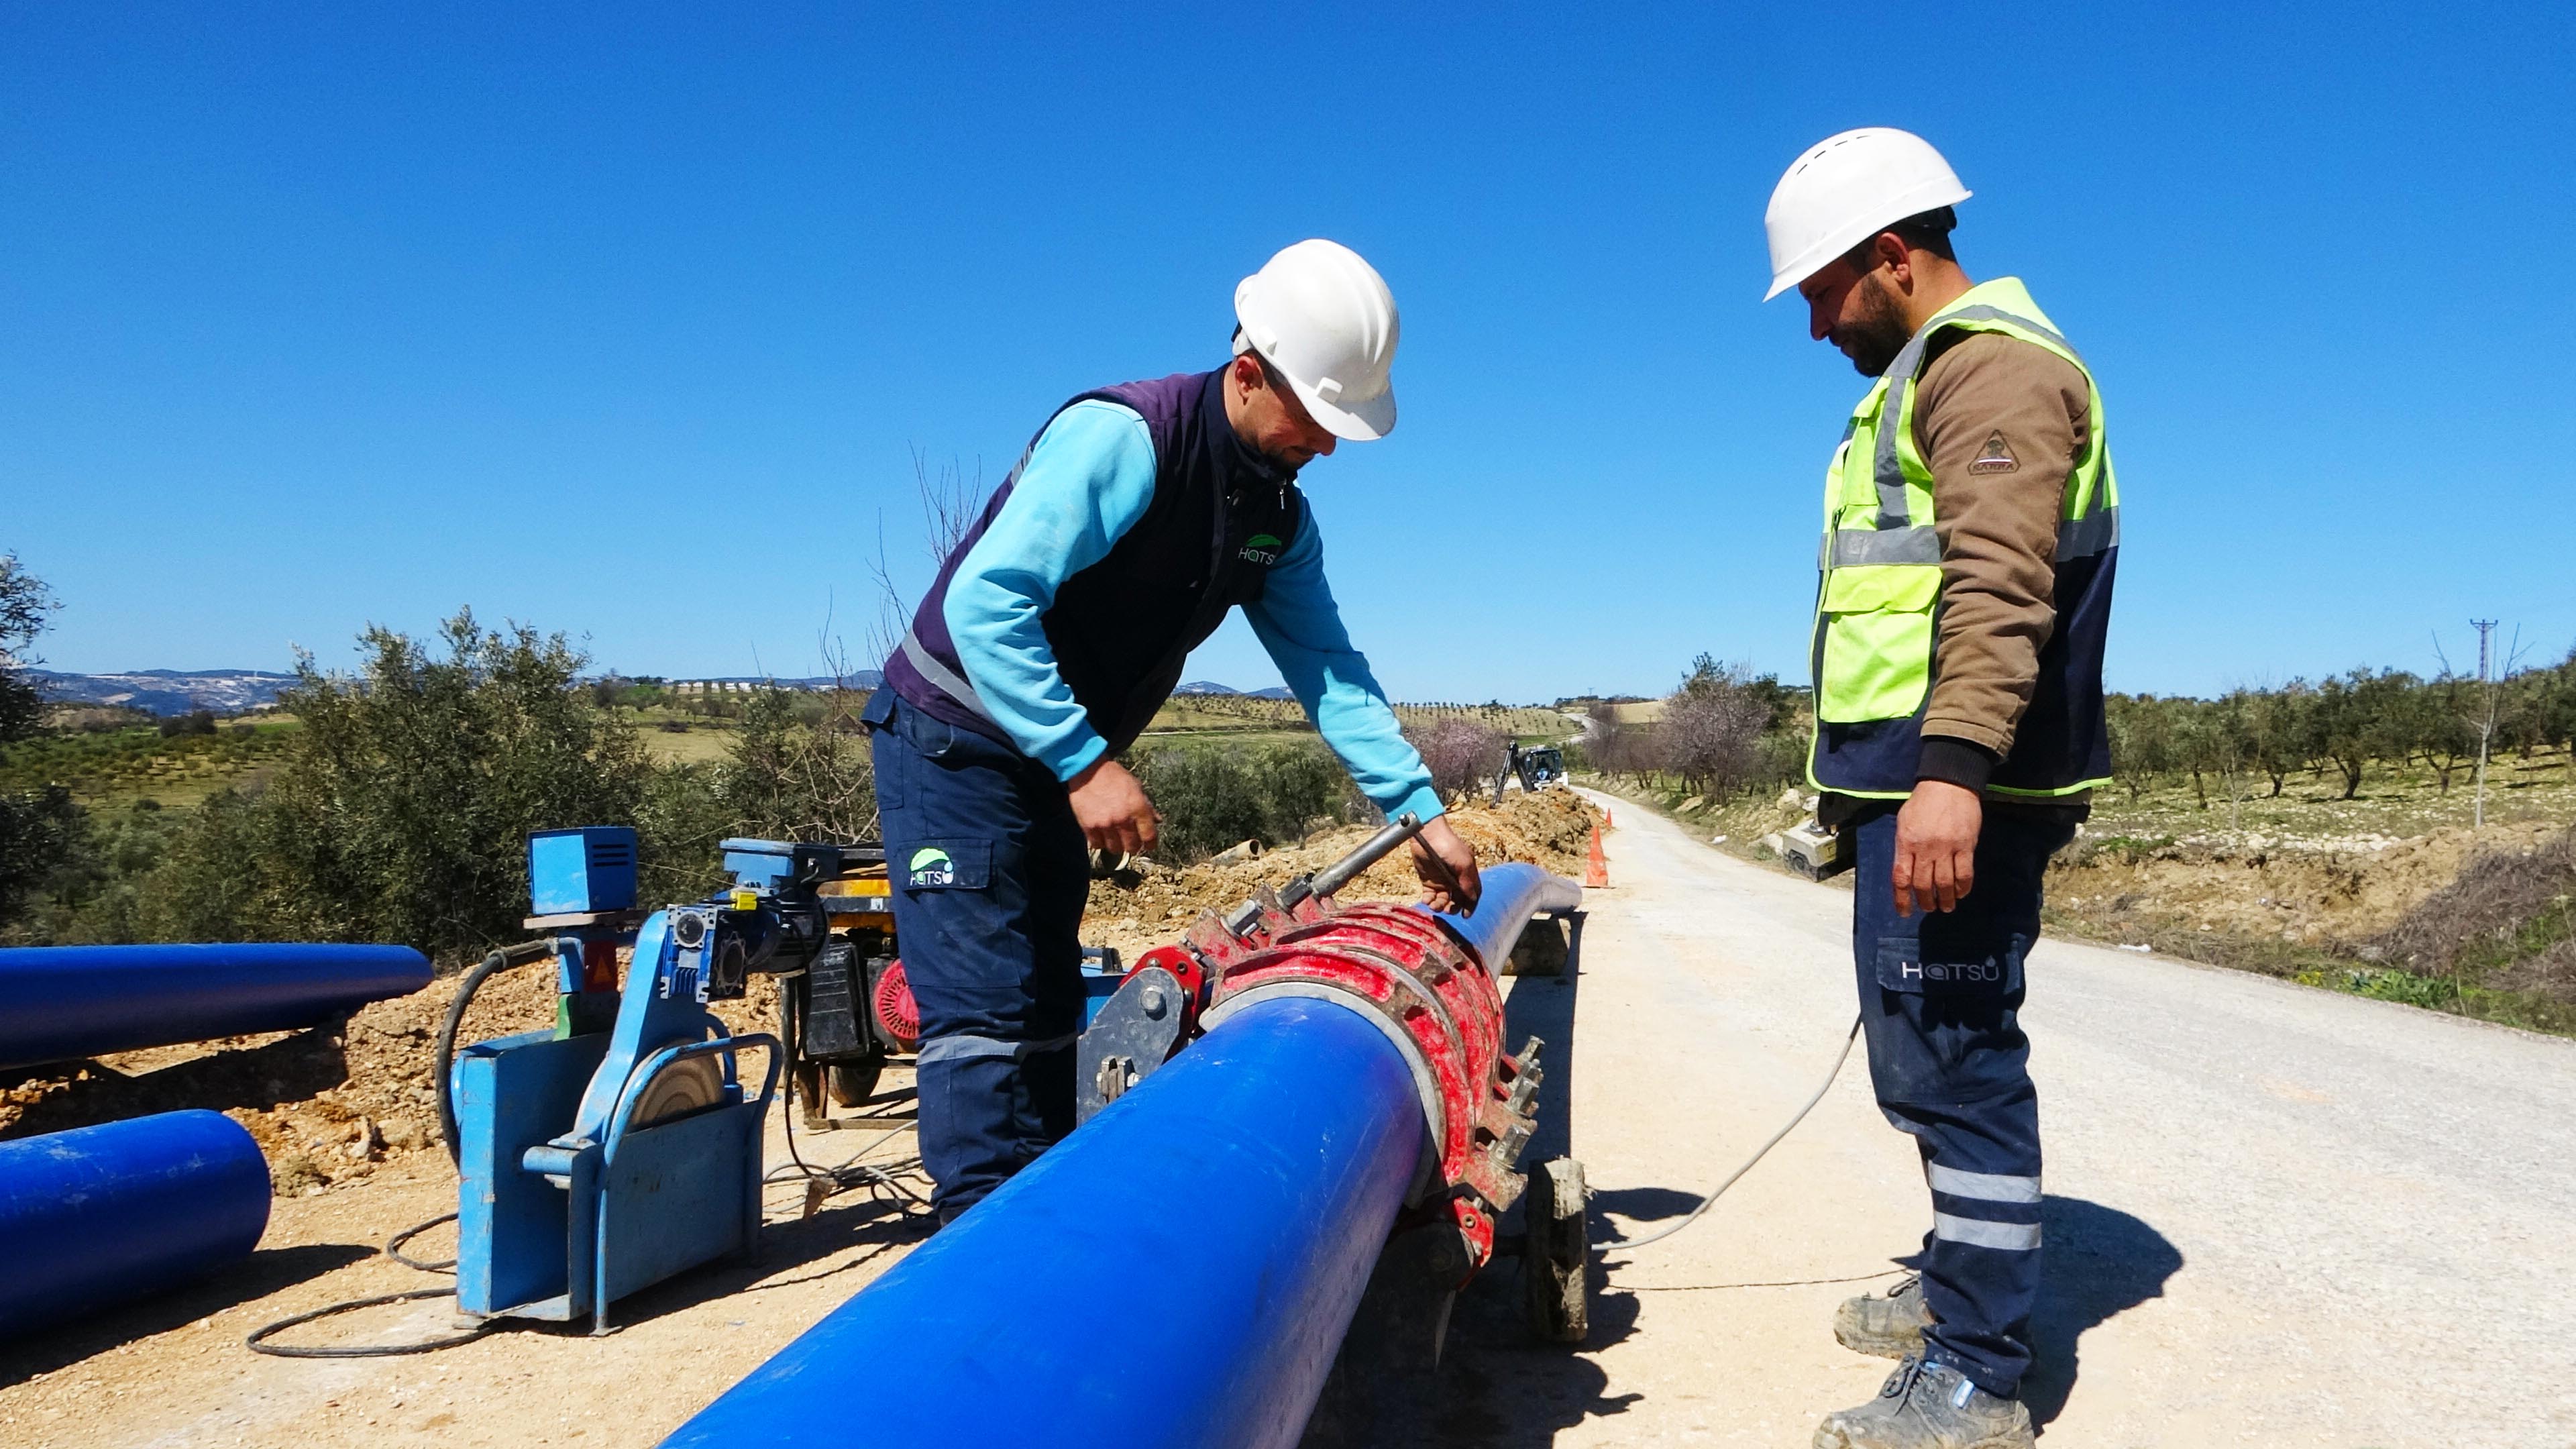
(1940, 997)
(989, 872)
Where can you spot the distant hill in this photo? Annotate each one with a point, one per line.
(166, 691)
(231, 691)
(1205, 686)
(858, 679)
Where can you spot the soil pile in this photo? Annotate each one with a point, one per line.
(2253, 889)
(1136, 910)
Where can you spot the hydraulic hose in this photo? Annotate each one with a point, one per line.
(507, 956)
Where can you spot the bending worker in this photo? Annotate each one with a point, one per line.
(1971, 534)
(1058, 626)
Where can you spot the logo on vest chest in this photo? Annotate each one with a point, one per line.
(1261, 548)
(1996, 456)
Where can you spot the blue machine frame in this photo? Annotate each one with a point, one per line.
(553, 1224)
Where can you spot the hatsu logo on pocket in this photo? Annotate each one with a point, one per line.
(1261, 548)
(1960, 973)
(930, 867)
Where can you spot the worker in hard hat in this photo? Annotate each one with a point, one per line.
(1971, 535)
(1139, 516)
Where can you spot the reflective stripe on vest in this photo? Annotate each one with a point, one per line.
(1880, 558)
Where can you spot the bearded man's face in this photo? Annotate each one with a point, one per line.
(1857, 312)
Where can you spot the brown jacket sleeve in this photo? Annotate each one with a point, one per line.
(2002, 423)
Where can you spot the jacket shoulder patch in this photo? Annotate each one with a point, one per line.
(1996, 456)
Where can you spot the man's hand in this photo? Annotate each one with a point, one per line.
(1447, 865)
(1936, 846)
(1112, 808)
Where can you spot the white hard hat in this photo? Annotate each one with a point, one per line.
(1325, 320)
(1847, 189)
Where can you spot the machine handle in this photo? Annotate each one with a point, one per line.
(653, 1065)
(1372, 850)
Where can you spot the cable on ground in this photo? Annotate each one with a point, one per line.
(394, 1247)
(257, 1339)
(1705, 1203)
(882, 1180)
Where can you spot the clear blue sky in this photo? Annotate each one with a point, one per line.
(629, 321)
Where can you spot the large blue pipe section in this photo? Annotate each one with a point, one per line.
(1180, 1272)
(1513, 894)
(61, 1003)
(98, 1215)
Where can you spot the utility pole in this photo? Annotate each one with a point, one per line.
(2486, 716)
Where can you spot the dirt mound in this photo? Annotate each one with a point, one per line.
(1136, 911)
(2254, 888)
(2498, 897)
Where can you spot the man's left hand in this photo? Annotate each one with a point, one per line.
(1447, 865)
(1936, 847)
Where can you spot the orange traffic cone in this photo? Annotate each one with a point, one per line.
(1596, 870)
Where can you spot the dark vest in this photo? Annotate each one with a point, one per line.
(1122, 629)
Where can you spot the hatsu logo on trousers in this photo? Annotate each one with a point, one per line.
(1261, 548)
(930, 867)
(1982, 973)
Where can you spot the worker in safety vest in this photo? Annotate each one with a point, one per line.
(1139, 516)
(1971, 530)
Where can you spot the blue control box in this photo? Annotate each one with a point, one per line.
(763, 865)
(580, 872)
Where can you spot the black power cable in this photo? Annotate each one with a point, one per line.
(258, 1339)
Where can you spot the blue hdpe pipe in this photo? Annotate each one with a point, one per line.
(1513, 894)
(100, 1215)
(1180, 1272)
(61, 1003)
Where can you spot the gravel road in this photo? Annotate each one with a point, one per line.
(2276, 1215)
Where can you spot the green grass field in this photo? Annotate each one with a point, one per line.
(112, 767)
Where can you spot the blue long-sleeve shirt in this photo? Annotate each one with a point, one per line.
(1088, 481)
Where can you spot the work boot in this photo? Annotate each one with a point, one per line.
(1928, 1406)
(1889, 1325)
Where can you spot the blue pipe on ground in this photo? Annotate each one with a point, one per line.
(99, 1215)
(61, 1003)
(1180, 1272)
(1513, 894)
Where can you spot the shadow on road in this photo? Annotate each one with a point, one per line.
(1498, 1385)
(2100, 1262)
(873, 1227)
(1639, 1205)
(264, 1272)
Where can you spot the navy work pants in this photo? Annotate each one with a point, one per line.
(989, 872)
(1940, 995)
